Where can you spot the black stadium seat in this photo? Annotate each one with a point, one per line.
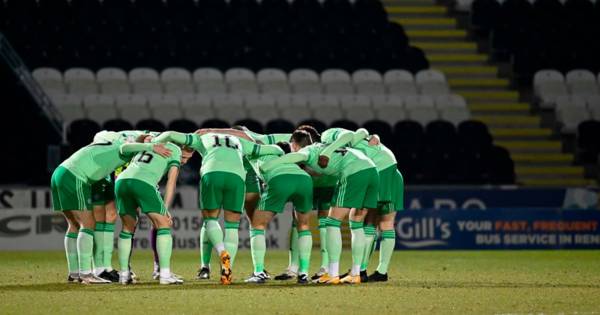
(279, 126)
(251, 124)
(588, 145)
(150, 125)
(117, 125)
(215, 123)
(183, 125)
(80, 132)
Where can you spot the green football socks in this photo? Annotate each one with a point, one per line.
(323, 245)
(205, 247)
(258, 247)
(71, 253)
(386, 249)
(334, 245)
(293, 256)
(108, 243)
(358, 246)
(231, 238)
(164, 247)
(214, 233)
(370, 240)
(99, 247)
(304, 250)
(85, 248)
(124, 250)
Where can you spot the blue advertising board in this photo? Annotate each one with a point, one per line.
(503, 228)
(500, 197)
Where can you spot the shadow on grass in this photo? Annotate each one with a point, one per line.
(196, 285)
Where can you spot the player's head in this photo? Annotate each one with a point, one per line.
(285, 146)
(315, 135)
(186, 154)
(299, 140)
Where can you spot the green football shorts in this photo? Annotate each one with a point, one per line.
(322, 197)
(286, 188)
(103, 191)
(252, 184)
(391, 190)
(222, 190)
(69, 192)
(133, 193)
(359, 190)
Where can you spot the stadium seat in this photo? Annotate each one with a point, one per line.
(318, 102)
(387, 101)
(150, 124)
(455, 115)
(422, 114)
(474, 134)
(80, 132)
(251, 124)
(319, 125)
(182, 125)
(295, 114)
(98, 100)
(285, 101)
(359, 115)
(570, 117)
(450, 101)
(214, 123)
(380, 128)
(279, 126)
(390, 115)
(421, 101)
(343, 123)
(118, 125)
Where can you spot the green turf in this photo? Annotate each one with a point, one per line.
(421, 282)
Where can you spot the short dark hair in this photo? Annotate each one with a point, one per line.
(285, 146)
(302, 138)
(314, 134)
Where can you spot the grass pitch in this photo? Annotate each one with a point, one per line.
(421, 282)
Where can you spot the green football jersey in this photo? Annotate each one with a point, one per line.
(282, 169)
(271, 138)
(343, 162)
(150, 167)
(381, 156)
(224, 153)
(100, 158)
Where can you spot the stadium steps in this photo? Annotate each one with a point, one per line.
(538, 157)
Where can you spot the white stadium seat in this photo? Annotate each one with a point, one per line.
(163, 100)
(429, 75)
(166, 114)
(275, 87)
(259, 100)
(423, 115)
(79, 74)
(198, 101)
(366, 75)
(243, 87)
(130, 100)
(402, 88)
(320, 101)
(327, 114)
(207, 75)
(570, 117)
(239, 74)
(303, 75)
(98, 100)
(387, 101)
(396, 75)
(307, 87)
(227, 100)
(455, 115)
(111, 74)
(147, 87)
(335, 75)
(360, 115)
(179, 87)
(369, 88)
(355, 101)
(450, 101)
(170, 75)
(211, 87)
(230, 114)
(339, 88)
(434, 88)
(391, 115)
(133, 114)
(101, 114)
(270, 75)
(285, 101)
(115, 87)
(63, 100)
(295, 114)
(421, 101)
(138, 75)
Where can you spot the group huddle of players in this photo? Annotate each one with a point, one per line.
(340, 173)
